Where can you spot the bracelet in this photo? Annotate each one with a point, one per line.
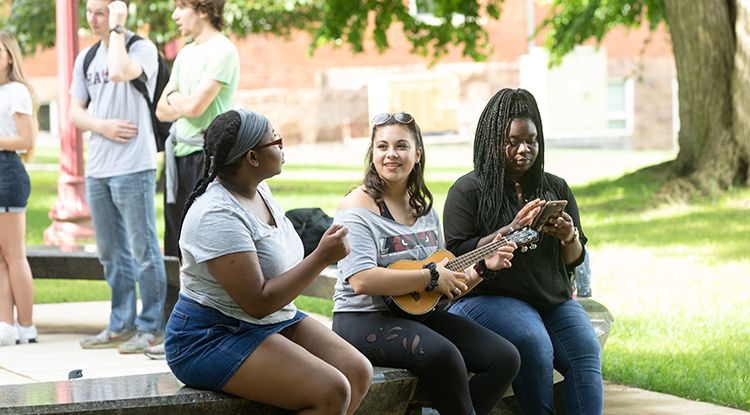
(481, 268)
(170, 93)
(434, 276)
(426, 282)
(476, 269)
(575, 238)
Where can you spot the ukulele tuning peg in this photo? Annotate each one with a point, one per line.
(532, 246)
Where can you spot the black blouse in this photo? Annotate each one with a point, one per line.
(538, 276)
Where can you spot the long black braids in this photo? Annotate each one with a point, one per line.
(420, 197)
(218, 140)
(490, 142)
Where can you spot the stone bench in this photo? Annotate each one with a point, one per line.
(50, 262)
(163, 394)
(393, 391)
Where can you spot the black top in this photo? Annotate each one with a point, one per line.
(384, 212)
(538, 276)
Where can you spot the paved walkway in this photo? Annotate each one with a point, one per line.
(62, 325)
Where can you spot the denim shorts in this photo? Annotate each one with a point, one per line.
(15, 186)
(205, 347)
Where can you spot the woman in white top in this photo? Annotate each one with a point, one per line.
(17, 135)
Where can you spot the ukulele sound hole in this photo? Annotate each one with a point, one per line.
(415, 295)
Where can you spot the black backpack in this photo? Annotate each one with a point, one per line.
(310, 224)
(161, 129)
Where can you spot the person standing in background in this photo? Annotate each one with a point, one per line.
(121, 176)
(17, 135)
(204, 80)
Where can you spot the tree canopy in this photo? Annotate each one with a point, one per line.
(336, 22)
(712, 55)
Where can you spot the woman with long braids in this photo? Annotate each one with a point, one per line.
(390, 218)
(529, 304)
(235, 327)
(17, 135)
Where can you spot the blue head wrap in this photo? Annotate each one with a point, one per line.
(251, 130)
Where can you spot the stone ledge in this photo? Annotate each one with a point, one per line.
(163, 394)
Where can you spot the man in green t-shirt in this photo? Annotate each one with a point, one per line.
(202, 85)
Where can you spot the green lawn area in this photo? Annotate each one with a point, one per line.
(674, 274)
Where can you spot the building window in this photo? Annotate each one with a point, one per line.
(424, 11)
(43, 116)
(620, 103)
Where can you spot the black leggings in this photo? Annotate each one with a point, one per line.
(440, 350)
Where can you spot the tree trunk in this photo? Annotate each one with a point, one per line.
(704, 49)
(741, 85)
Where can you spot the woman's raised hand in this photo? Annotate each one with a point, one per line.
(526, 215)
(450, 283)
(334, 245)
(501, 259)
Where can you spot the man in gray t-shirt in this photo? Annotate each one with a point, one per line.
(121, 176)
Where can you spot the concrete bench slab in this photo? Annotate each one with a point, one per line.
(163, 394)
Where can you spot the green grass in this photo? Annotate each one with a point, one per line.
(674, 274)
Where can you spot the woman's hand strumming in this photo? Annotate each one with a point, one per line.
(334, 245)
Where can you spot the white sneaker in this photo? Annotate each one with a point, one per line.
(139, 341)
(26, 334)
(155, 352)
(107, 338)
(8, 334)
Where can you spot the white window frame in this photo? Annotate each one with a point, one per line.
(628, 114)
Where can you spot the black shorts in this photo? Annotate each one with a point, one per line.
(15, 186)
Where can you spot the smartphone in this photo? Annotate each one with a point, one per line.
(551, 210)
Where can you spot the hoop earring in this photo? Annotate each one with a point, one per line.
(417, 167)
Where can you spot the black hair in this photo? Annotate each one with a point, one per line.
(490, 142)
(218, 140)
(420, 198)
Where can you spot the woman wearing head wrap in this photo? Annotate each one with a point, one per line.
(530, 303)
(235, 327)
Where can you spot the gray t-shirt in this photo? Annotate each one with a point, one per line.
(118, 100)
(378, 242)
(217, 225)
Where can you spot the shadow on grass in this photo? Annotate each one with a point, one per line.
(626, 211)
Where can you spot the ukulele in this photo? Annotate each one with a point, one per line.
(417, 305)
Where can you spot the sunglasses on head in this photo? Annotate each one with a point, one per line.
(402, 117)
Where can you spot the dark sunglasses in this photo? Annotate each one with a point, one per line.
(402, 117)
(277, 142)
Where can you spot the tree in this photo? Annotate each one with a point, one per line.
(337, 22)
(712, 55)
(710, 42)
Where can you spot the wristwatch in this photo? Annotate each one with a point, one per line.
(117, 29)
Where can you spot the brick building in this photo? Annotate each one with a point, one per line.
(622, 95)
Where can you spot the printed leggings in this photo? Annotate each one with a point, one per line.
(441, 351)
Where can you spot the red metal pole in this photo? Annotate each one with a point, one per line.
(71, 219)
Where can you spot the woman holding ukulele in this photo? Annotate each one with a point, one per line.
(390, 218)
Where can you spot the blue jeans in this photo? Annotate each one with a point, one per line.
(561, 338)
(124, 216)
